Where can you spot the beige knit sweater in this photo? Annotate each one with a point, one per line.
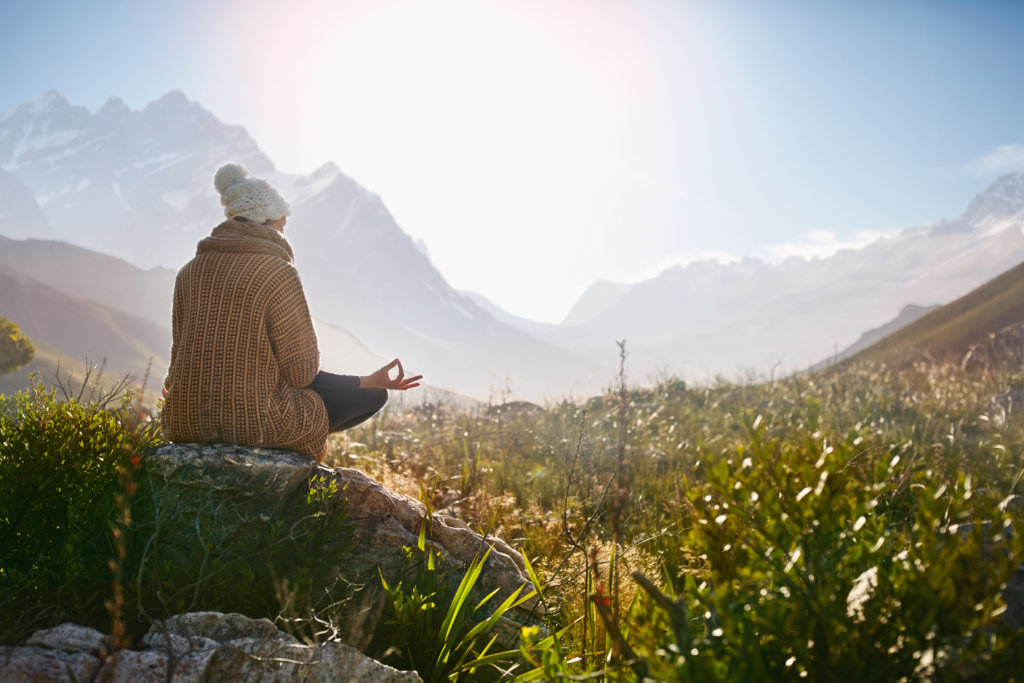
(243, 346)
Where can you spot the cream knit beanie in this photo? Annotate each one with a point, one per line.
(245, 197)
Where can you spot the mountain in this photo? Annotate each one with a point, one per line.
(533, 327)
(70, 327)
(138, 185)
(708, 317)
(950, 332)
(362, 272)
(133, 184)
(598, 297)
(907, 315)
(102, 279)
(20, 215)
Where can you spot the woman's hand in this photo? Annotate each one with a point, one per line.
(381, 379)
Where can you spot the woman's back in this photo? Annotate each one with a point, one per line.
(244, 346)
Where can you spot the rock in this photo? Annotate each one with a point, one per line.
(129, 666)
(237, 648)
(39, 664)
(220, 500)
(192, 648)
(70, 638)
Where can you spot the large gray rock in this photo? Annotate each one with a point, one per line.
(192, 648)
(39, 665)
(203, 499)
(70, 638)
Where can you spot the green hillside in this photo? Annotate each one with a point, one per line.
(949, 332)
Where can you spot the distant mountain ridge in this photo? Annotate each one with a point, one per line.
(708, 317)
(908, 314)
(138, 185)
(83, 330)
(85, 273)
(949, 332)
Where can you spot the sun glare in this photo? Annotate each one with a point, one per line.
(456, 100)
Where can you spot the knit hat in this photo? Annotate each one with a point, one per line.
(245, 197)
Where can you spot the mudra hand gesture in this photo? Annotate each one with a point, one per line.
(382, 379)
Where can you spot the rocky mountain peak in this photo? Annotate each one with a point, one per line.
(171, 101)
(114, 106)
(1004, 197)
(49, 101)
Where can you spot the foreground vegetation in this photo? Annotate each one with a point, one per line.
(854, 525)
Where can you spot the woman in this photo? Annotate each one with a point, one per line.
(244, 357)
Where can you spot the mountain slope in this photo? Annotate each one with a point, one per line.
(949, 332)
(362, 272)
(20, 215)
(138, 185)
(908, 314)
(106, 280)
(134, 184)
(83, 330)
(709, 317)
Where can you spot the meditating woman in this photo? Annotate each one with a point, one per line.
(244, 356)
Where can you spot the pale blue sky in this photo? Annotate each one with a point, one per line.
(538, 145)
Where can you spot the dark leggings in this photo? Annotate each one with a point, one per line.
(347, 405)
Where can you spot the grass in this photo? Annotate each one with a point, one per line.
(853, 525)
(748, 515)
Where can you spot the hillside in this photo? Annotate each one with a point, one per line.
(62, 327)
(106, 280)
(950, 331)
(138, 185)
(48, 366)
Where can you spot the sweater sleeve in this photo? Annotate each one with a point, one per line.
(175, 331)
(290, 328)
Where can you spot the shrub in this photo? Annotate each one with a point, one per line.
(59, 488)
(15, 349)
(213, 559)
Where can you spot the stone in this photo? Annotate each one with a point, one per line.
(241, 648)
(226, 496)
(70, 638)
(192, 648)
(32, 664)
(129, 666)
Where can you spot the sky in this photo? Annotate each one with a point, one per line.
(536, 146)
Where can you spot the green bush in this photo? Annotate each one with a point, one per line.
(845, 526)
(833, 558)
(59, 496)
(207, 560)
(81, 540)
(15, 349)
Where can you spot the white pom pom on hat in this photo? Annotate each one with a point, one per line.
(246, 197)
(228, 175)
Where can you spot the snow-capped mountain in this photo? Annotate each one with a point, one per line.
(138, 185)
(20, 215)
(708, 318)
(133, 184)
(364, 273)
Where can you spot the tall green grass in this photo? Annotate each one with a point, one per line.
(853, 524)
